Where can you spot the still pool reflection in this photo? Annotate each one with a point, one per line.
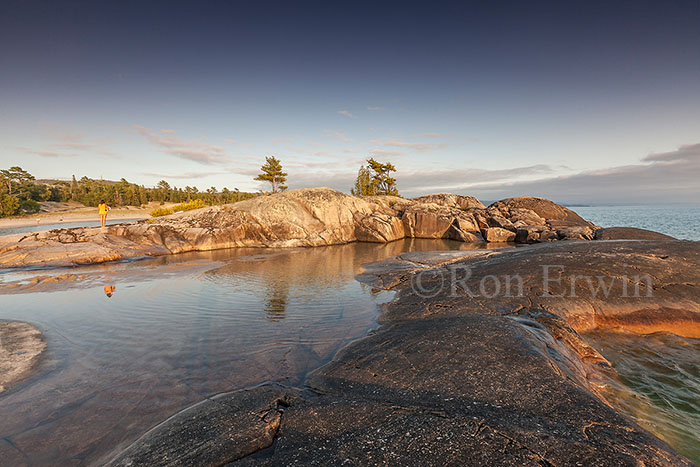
(175, 330)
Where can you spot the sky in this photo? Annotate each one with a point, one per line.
(591, 102)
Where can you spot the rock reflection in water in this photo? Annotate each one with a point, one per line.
(180, 329)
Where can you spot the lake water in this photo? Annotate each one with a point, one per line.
(176, 330)
(679, 221)
(656, 382)
(62, 225)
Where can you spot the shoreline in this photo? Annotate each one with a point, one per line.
(82, 215)
(471, 380)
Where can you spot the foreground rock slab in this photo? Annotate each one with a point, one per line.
(456, 377)
(215, 431)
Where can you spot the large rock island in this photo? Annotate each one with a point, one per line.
(306, 218)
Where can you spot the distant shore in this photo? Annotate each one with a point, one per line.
(73, 214)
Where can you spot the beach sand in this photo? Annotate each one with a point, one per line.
(56, 213)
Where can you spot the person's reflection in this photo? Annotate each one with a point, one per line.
(109, 290)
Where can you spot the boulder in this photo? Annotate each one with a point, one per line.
(530, 233)
(498, 235)
(575, 233)
(502, 222)
(544, 208)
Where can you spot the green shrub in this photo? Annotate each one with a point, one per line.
(161, 212)
(188, 206)
(29, 206)
(9, 206)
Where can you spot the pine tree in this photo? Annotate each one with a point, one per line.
(375, 179)
(383, 181)
(363, 183)
(272, 172)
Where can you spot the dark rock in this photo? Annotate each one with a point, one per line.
(629, 233)
(575, 233)
(530, 233)
(215, 431)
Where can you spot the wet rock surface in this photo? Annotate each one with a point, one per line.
(464, 375)
(21, 346)
(301, 218)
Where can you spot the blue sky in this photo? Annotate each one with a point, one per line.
(577, 101)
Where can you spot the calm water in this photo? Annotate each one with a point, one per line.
(176, 329)
(657, 383)
(682, 222)
(62, 225)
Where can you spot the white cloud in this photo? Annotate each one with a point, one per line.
(346, 113)
(375, 108)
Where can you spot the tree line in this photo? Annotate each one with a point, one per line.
(21, 193)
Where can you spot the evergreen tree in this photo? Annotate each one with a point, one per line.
(272, 172)
(363, 183)
(383, 181)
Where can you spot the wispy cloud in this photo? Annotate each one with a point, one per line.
(45, 153)
(70, 145)
(194, 150)
(375, 108)
(386, 152)
(338, 135)
(346, 113)
(416, 146)
(181, 176)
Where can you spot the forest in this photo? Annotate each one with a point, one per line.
(21, 192)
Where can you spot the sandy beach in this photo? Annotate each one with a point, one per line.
(56, 213)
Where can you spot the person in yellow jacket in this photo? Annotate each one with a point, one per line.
(103, 212)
